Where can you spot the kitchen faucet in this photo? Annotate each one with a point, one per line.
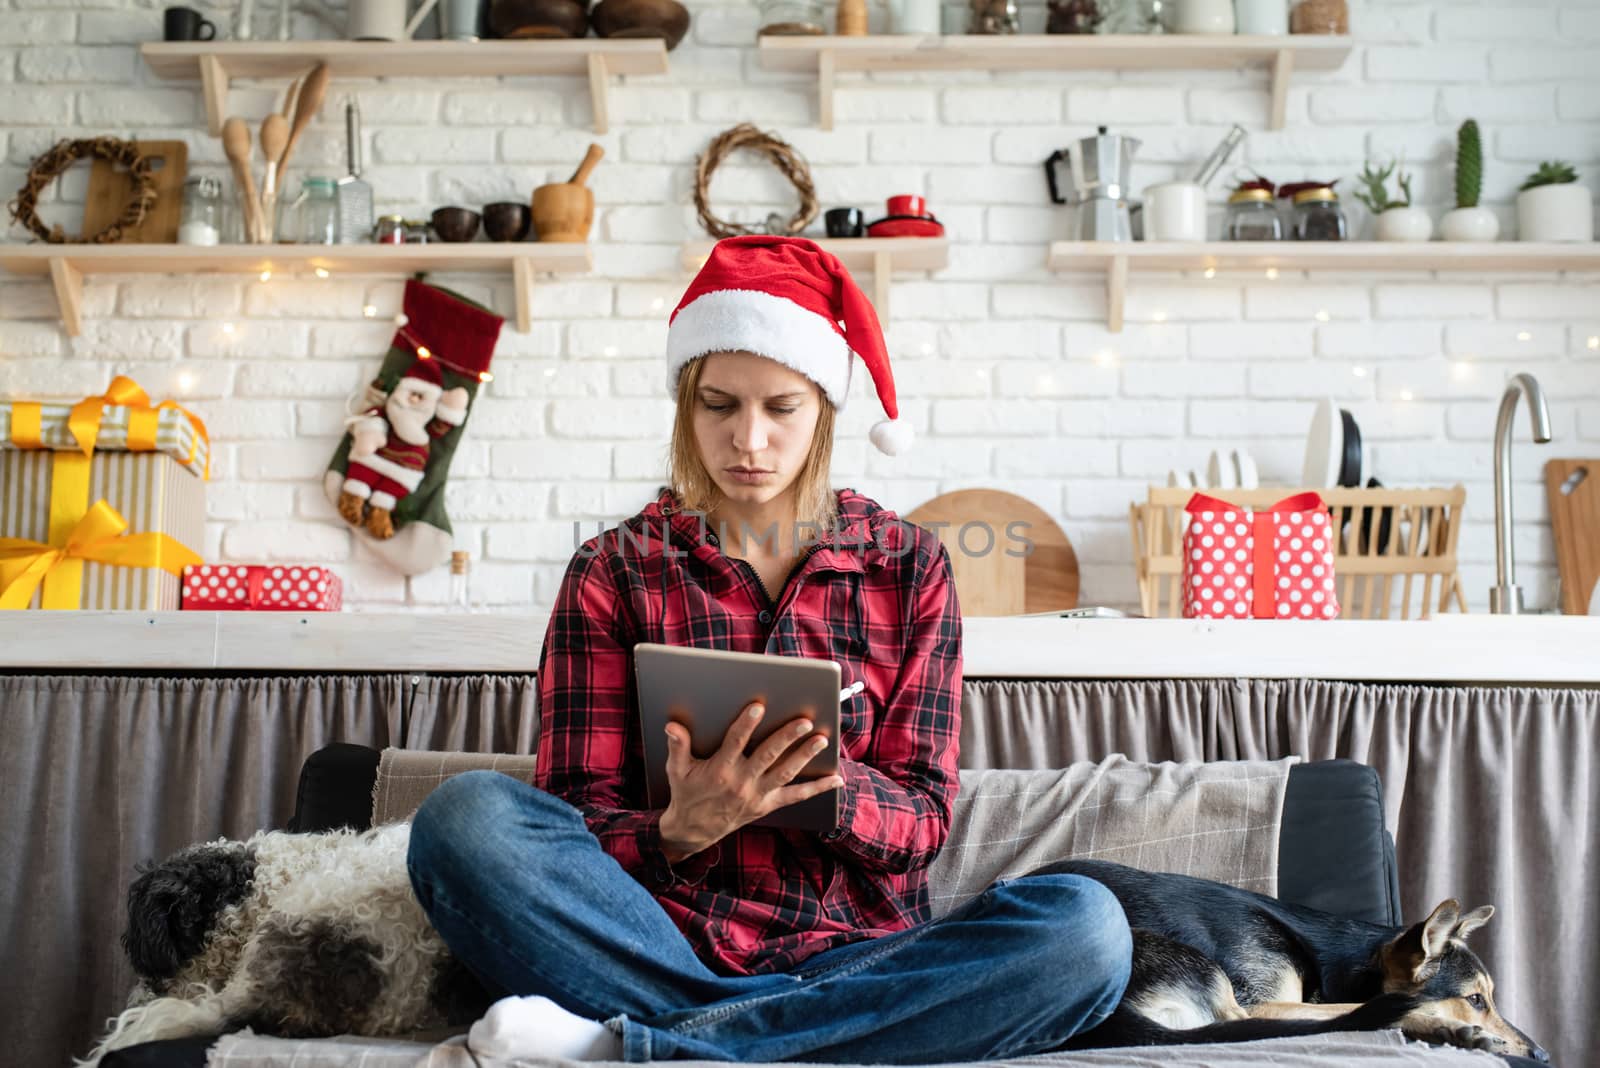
(1505, 597)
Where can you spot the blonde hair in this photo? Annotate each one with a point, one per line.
(695, 489)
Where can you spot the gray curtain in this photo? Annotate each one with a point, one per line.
(103, 773)
(474, 714)
(1489, 793)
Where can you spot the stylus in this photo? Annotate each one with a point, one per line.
(851, 690)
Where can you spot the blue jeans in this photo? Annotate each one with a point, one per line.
(525, 897)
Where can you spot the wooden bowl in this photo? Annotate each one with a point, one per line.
(455, 224)
(506, 221)
(538, 18)
(666, 19)
(563, 212)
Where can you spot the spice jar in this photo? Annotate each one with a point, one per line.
(1317, 215)
(417, 232)
(791, 17)
(391, 230)
(1320, 16)
(1252, 216)
(201, 221)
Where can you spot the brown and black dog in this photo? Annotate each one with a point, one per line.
(1213, 963)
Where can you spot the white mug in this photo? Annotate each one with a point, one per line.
(915, 16)
(1264, 17)
(1204, 16)
(1175, 211)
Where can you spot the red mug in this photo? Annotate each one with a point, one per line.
(909, 204)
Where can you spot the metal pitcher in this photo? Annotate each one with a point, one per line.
(1099, 167)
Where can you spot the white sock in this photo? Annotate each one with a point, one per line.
(535, 1026)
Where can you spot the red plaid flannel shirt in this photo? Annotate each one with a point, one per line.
(877, 596)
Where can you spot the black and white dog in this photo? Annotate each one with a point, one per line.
(301, 935)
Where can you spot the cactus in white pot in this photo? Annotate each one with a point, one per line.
(1469, 221)
(1552, 206)
(1396, 220)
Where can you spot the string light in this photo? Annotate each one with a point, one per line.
(927, 348)
(1105, 357)
(1161, 316)
(321, 272)
(185, 381)
(1523, 335)
(485, 376)
(610, 350)
(1359, 372)
(1594, 342)
(1272, 274)
(1461, 370)
(1211, 272)
(1322, 315)
(227, 328)
(266, 276)
(401, 319)
(1406, 394)
(369, 310)
(424, 353)
(657, 304)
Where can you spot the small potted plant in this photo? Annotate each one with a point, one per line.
(1469, 222)
(1396, 220)
(1552, 206)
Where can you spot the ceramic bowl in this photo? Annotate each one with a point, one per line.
(507, 221)
(520, 19)
(666, 19)
(455, 224)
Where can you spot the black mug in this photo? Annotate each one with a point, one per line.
(187, 24)
(845, 222)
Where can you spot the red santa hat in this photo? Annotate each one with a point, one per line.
(424, 371)
(789, 300)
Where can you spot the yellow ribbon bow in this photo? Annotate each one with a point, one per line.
(98, 537)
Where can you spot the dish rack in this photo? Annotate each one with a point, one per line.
(1386, 541)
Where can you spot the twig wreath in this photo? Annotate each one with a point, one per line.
(50, 166)
(782, 156)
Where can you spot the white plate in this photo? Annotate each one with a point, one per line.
(1249, 477)
(1179, 480)
(1324, 447)
(1220, 472)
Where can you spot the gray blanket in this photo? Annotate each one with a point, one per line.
(1383, 1049)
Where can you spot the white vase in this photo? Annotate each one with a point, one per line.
(1268, 18)
(1469, 224)
(1203, 16)
(1405, 224)
(1561, 212)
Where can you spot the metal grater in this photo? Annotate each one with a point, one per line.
(355, 196)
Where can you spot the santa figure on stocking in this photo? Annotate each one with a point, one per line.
(391, 441)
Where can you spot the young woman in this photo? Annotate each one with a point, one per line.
(622, 932)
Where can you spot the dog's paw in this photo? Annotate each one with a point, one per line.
(1456, 1033)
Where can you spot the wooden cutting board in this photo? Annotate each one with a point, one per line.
(109, 186)
(1573, 488)
(997, 583)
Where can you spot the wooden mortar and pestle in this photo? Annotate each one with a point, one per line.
(564, 211)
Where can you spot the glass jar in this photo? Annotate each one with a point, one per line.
(1320, 16)
(201, 220)
(1317, 215)
(791, 17)
(1252, 216)
(391, 230)
(316, 209)
(418, 232)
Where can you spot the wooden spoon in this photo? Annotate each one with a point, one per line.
(306, 106)
(591, 158)
(236, 145)
(274, 139)
(289, 97)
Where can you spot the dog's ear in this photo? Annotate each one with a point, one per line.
(1472, 921)
(173, 906)
(1413, 955)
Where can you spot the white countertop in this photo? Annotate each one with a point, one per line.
(1473, 648)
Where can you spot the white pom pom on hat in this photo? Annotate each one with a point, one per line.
(790, 300)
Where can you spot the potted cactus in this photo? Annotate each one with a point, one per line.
(1552, 206)
(1396, 220)
(1469, 221)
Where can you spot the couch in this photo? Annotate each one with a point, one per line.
(1334, 852)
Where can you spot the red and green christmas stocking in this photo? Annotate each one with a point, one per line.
(388, 475)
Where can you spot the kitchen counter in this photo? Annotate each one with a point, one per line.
(1472, 648)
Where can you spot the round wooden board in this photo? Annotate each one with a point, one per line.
(994, 583)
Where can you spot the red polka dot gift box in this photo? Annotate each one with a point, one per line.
(1271, 564)
(261, 588)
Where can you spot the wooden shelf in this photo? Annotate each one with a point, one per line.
(828, 56)
(67, 264)
(216, 64)
(1116, 258)
(880, 255)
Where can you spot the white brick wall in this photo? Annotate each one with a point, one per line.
(1006, 370)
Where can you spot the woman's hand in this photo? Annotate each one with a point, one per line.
(714, 797)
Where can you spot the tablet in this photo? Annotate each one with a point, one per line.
(706, 689)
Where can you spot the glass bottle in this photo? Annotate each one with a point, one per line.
(460, 581)
(317, 212)
(1252, 216)
(201, 220)
(1317, 215)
